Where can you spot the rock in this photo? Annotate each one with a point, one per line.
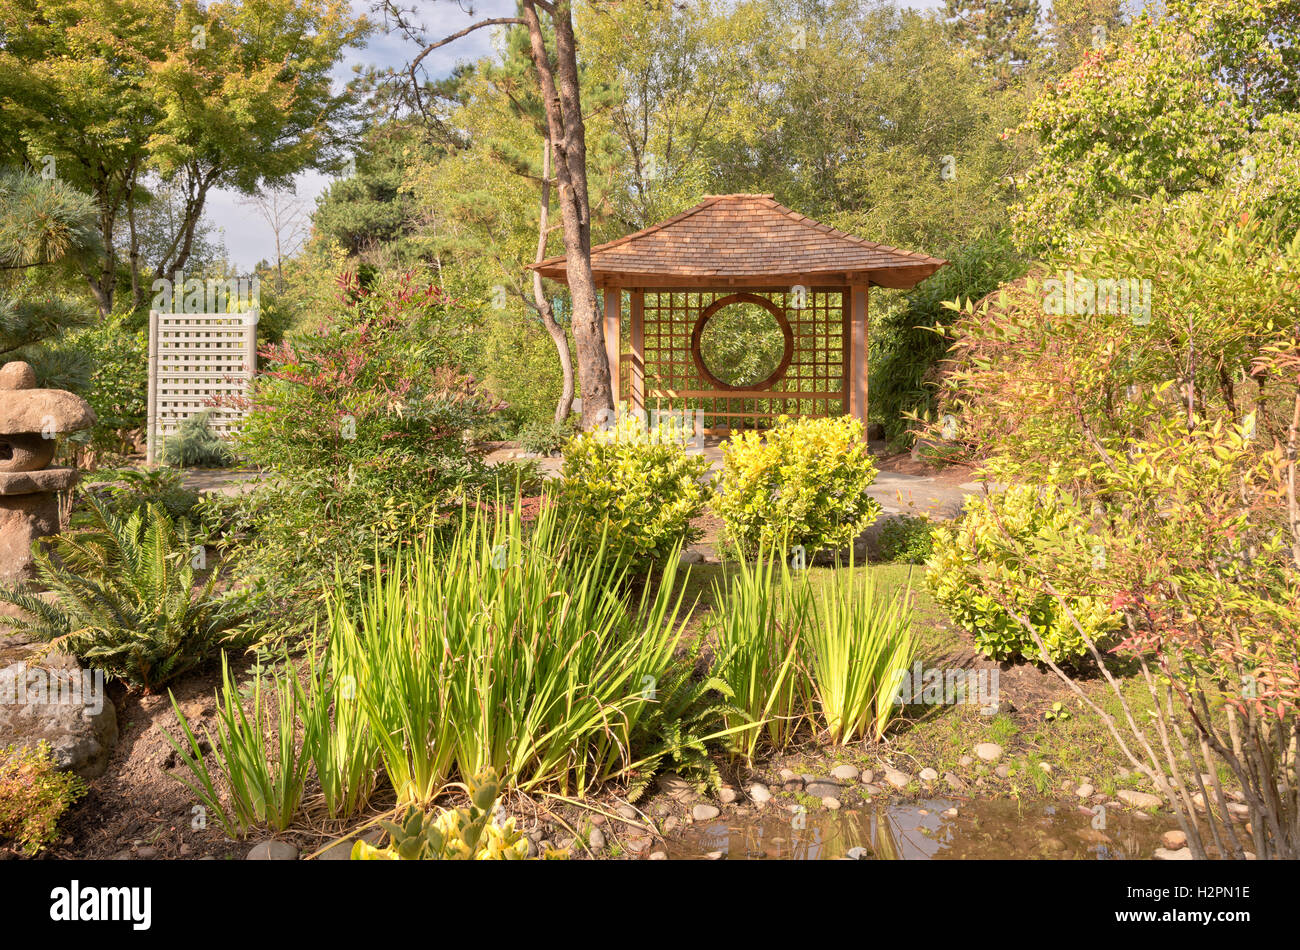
(955, 783)
(928, 775)
(638, 844)
(714, 856)
(791, 781)
(17, 375)
(831, 802)
(1239, 811)
(1003, 771)
(867, 777)
(1139, 799)
(822, 789)
(50, 411)
(1179, 854)
(692, 557)
(658, 856)
(988, 751)
(965, 761)
(26, 452)
(628, 812)
(872, 789)
(1174, 840)
(598, 820)
(845, 773)
(897, 779)
(676, 788)
(705, 812)
(273, 851)
(949, 813)
(146, 853)
(727, 795)
(759, 793)
(1046, 767)
(1085, 791)
(23, 519)
(671, 823)
(857, 853)
(67, 708)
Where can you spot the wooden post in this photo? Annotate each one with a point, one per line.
(858, 353)
(613, 308)
(638, 349)
(151, 415)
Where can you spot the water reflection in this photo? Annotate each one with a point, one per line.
(920, 830)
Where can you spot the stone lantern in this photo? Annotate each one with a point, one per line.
(30, 420)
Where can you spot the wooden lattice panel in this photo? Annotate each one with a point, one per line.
(813, 383)
(199, 362)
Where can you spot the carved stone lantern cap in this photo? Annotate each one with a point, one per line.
(25, 409)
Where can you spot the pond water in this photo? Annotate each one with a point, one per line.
(925, 829)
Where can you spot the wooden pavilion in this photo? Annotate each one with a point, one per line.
(743, 250)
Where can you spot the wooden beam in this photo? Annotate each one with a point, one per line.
(638, 349)
(613, 308)
(858, 353)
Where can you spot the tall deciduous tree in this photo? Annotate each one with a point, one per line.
(224, 95)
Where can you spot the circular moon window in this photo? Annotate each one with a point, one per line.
(742, 342)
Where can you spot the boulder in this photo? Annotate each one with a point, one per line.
(67, 708)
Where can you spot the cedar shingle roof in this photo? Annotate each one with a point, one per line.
(746, 240)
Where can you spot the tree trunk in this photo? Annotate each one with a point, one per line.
(568, 136)
(556, 331)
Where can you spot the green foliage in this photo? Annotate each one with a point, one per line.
(544, 437)
(804, 482)
(858, 648)
(634, 489)
(34, 795)
(258, 755)
(757, 625)
(470, 833)
(195, 445)
(978, 573)
(502, 650)
(906, 539)
(123, 491)
(126, 599)
(910, 339)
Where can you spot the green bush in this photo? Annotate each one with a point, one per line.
(543, 438)
(802, 483)
(196, 446)
(127, 599)
(125, 490)
(974, 571)
(34, 795)
(636, 486)
(906, 539)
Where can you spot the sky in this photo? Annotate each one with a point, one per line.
(247, 237)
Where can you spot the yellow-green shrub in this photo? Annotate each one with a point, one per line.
(974, 570)
(33, 796)
(636, 483)
(803, 483)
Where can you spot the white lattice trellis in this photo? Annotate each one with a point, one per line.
(194, 359)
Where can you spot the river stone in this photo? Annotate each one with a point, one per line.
(759, 793)
(1003, 771)
(928, 775)
(1166, 854)
(628, 812)
(676, 788)
(857, 853)
(658, 856)
(705, 812)
(831, 802)
(1139, 799)
(897, 779)
(596, 839)
(273, 851)
(965, 760)
(81, 734)
(955, 783)
(17, 375)
(1085, 791)
(845, 773)
(822, 789)
(727, 795)
(949, 813)
(867, 777)
(988, 751)
(1174, 840)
